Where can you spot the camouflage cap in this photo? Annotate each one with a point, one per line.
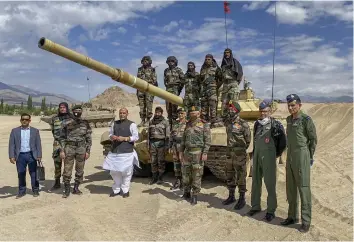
(293, 98)
(235, 106)
(172, 58)
(181, 110)
(76, 107)
(193, 108)
(148, 58)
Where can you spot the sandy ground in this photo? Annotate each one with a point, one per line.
(156, 213)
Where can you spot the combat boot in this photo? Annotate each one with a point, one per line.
(76, 189)
(230, 199)
(241, 201)
(186, 195)
(159, 179)
(56, 184)
(66, 191)
(194, 200)
(153, 179)
(177, 184)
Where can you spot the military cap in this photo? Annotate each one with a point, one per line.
(293, 98)
(193, 108)
(172, 58)
(235, 106)
(148, 58)
(264, 104)
(180, 110)
(76, 107)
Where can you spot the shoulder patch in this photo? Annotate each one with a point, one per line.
(307, 117)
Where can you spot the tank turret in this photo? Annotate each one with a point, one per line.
(217, 153)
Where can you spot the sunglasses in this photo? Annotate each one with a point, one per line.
(25, 119)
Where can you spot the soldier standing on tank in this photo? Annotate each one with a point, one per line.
(175, 145)
(192, 87)
(148, 74)
(77, 143)
(211, 80)
(158, 141)
(231, 77)
(302, 141)
(174, 80)
(269, 143)
(238, 141)
(195, 145)
(56, 126)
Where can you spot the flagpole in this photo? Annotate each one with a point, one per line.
(227, 45)
(275, 25)
(88, 88)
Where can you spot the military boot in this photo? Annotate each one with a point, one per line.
(159, 179)
(241, 201)
(177, 184)
(76, 189)
(230, 199)
(66, 191)
(186, 195)
(56, 184)
(194, 200)
(153, 179)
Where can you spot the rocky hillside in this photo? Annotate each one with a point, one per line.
(15, 94)
(115, 97)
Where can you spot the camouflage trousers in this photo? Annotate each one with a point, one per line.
(57, 164)
(74, 154)
(145, 103)
(157, 155)
(176, 161)
(172, 108)
(192, 171)
(209, 109)
(236, 170)
(230, 91)
(190, 100)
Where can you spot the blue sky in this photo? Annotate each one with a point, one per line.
(314, 42)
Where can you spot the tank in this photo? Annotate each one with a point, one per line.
(97, 118)
(217, 153)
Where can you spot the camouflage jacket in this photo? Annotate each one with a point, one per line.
(192, 86)
(77, 131)
(148, 75)
(174, 77)
(177, 132)
(160, 130)
(196, 135)
(210, 80)
(238, 134)
(56, 124)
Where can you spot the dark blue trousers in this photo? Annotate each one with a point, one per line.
(26, 159)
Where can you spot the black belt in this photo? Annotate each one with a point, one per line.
(76, 143)
(26, 152)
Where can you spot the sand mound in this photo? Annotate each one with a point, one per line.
(115, 97)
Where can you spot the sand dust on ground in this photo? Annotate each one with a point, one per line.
(156, 213)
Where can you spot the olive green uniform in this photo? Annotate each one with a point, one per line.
(302, 141)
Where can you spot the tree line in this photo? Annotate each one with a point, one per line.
(28, 108)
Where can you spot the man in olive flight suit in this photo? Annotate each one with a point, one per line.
(302, 141)
(268, 144)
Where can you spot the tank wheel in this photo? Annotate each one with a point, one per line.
(98, 125)
(216, 161)
(143, 171)
(92, 125)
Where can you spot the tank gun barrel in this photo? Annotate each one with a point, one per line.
(116, 74)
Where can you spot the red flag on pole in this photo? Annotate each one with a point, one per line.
(226, 7)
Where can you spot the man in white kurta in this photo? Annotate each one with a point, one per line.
(121, 159)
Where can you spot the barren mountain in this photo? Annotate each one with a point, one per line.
(115, 97)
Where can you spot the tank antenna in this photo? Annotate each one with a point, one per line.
(275, 25)
(226, 10)
(88, 88)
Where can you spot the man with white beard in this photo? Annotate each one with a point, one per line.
(121, 159)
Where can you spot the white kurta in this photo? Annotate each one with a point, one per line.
(121, 166)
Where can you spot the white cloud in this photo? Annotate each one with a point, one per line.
(255, 5)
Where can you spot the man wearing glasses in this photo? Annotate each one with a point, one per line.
(25, 149)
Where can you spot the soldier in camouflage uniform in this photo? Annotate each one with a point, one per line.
(77, 145)
(158, 141)
(192, 87)
(211, 80)
(238, 140)
(148, 74)
(194, 152)
(175, 145)
(231, 77)
(56, 126)
(174, 80)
